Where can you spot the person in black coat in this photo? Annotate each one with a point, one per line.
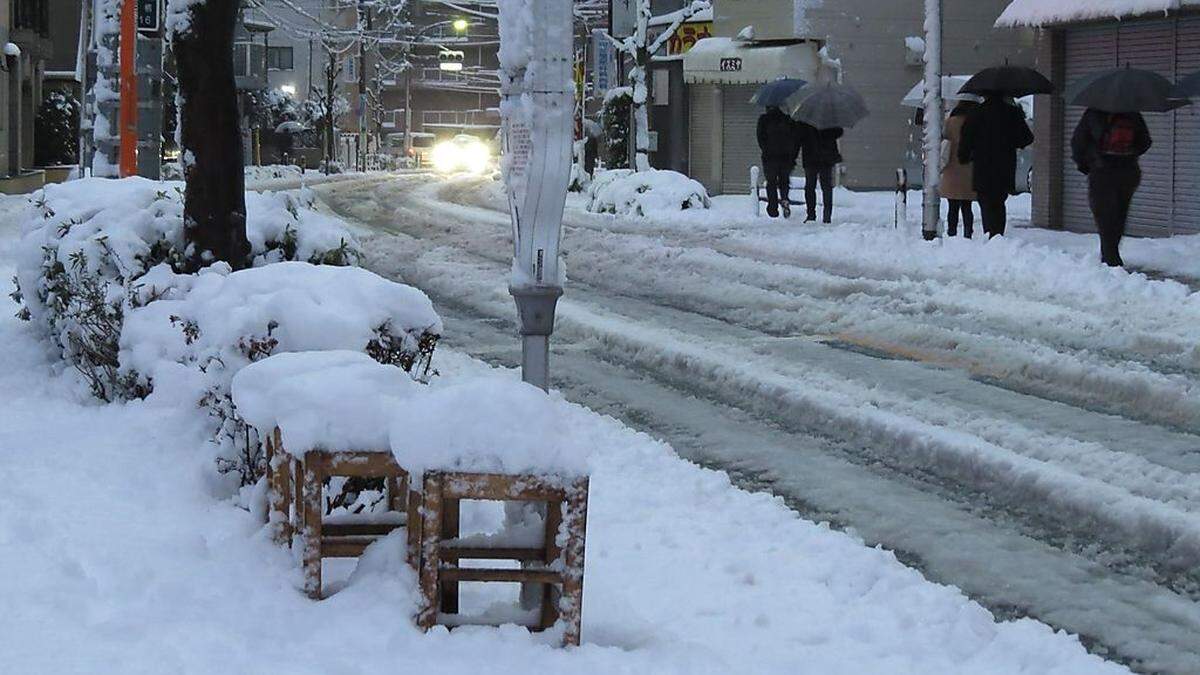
(1106, 148)
(991, 137)
(820, 154)
(779, 141)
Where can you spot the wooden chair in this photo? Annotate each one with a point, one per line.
(296, 505)
(557, 569)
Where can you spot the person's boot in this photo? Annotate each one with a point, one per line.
(812, 217)
(787, 209)
(773, 211)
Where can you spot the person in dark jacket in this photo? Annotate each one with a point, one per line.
(1106, 148)
(991, 136)
(778, 140)
(820, 154)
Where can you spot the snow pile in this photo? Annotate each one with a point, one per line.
(1045, 12)
(336, 400)
(642, 193)
(494, 425)
(273, 172)
(343, 400)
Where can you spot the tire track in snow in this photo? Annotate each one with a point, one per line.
(705, 368)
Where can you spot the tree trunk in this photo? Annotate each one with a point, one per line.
(214, 209)
(330, 96)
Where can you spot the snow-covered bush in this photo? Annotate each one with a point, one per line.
(187, 335)
(86, 245)
(626, 192)
(618, 104)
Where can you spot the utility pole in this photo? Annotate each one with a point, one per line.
(362, 85)
(128, 109)
(931, 222)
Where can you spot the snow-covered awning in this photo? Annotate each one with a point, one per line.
(729, 61)
(1048, 12)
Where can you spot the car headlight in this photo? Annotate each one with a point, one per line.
(479, 156)
(445, 157)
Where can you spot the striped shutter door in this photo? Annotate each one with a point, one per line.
(1088, 50)
(702, 115)
(1150, 45)
(740, 150)
(1187, 132)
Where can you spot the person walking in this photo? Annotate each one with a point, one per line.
(991, 136)
(956, 176)
(779, 143)
(820, 154)
(1106, 148)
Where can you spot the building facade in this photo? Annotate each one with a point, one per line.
(1074, 45)
(876, 47)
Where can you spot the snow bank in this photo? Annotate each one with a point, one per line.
(336, 400)
(642, 193)
(1045, 12)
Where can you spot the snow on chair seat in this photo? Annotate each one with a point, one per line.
(326, 414)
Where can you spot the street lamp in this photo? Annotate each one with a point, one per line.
(460, 25)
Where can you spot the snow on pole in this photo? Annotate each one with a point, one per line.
(931, 223)
(536, 109)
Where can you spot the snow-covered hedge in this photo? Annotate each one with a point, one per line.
(86, 245)
(626, 192)
(99, 273)
(187, 335)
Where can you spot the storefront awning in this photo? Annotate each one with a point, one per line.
(727, 61)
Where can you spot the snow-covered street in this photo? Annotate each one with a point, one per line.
(126, 552)
(1008, 416)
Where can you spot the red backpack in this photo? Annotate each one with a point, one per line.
(1120, 136)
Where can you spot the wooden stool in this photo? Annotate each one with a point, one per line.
(559, 569)
(299, 482)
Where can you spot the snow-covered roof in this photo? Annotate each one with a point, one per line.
(1046, 12)
(725, 60)
(670, 17)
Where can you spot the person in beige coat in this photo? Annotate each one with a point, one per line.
(956, 185)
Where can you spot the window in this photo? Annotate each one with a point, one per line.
(279, 58)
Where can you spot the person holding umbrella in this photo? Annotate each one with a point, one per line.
(819, 154)
(824, 111)
(956, 184)
(779, 142)
(993, 133)
(1110, 138)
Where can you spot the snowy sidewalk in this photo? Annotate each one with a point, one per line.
(122, 554)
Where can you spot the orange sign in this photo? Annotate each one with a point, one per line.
(687, 35)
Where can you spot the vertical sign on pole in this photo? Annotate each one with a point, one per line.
(127, 116)
(931, 222)
(536, 109)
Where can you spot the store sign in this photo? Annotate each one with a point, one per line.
(731, 65)
(147, 15)
(537, 115)
(604, 63)
(687, 35)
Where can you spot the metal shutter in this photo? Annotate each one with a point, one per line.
(740, 146)
(1187, 132)
(1151, 45)
(701, 119)
(1088, 50)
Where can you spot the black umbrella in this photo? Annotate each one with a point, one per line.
(1015, 81)
(1188, 86)
(1125, 90)
(773, 94)
(828, 106)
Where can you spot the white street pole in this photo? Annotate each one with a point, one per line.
(537, 110)
(931, 223)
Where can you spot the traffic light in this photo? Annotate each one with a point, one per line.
(450, 60)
